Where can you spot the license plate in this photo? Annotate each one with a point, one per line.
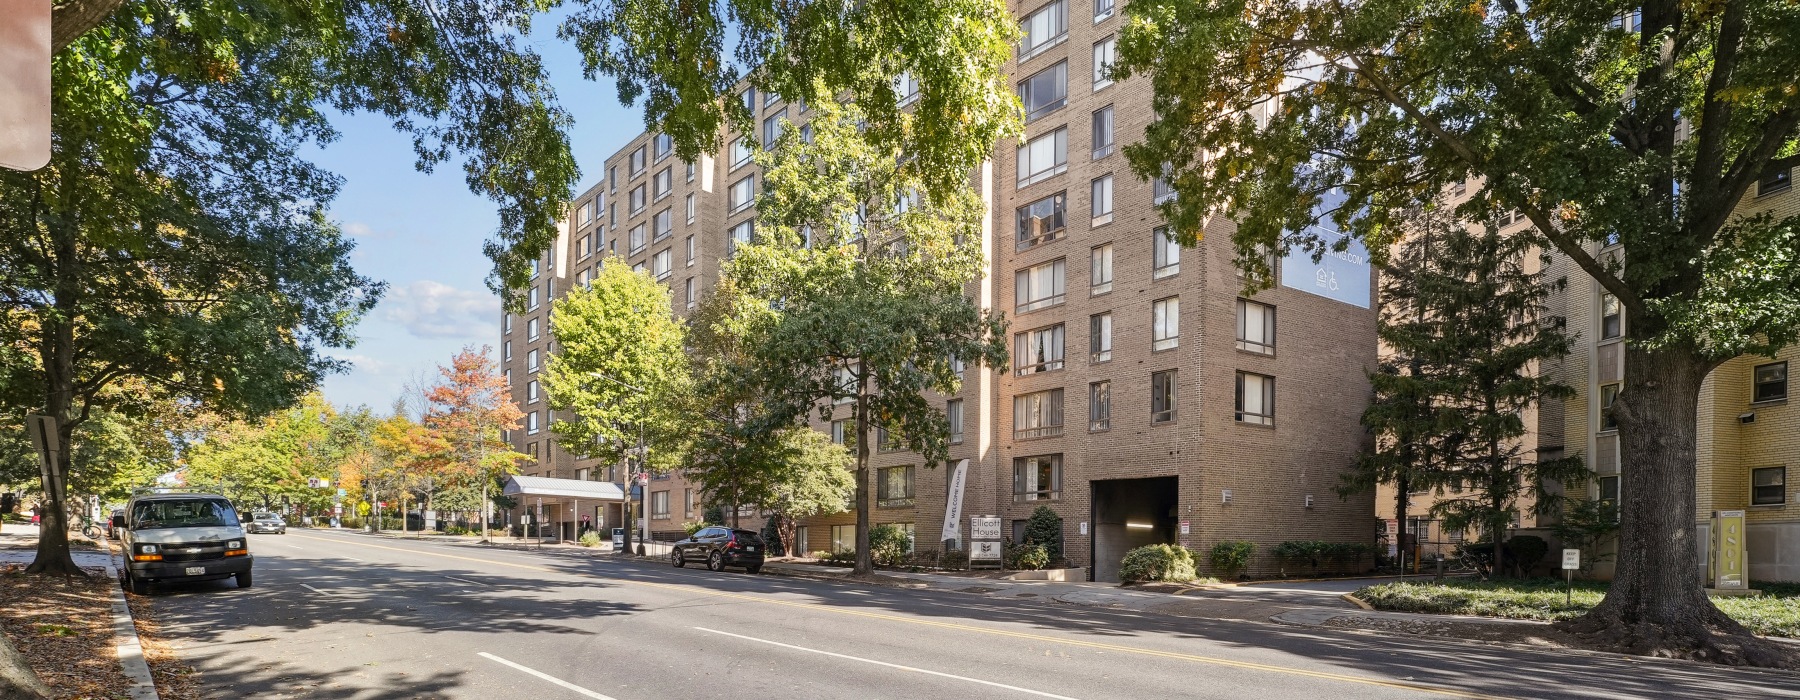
(749, 549)
(196, 570)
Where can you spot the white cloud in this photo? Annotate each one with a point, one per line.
(366, 363)
(429, 309)
(358, 229)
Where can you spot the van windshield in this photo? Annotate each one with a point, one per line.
(187, 512)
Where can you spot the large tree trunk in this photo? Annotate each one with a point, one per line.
(865, 562)
(1656, 605)
(56, 351)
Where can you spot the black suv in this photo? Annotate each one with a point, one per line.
(720, 547)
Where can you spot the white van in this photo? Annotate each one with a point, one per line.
(182, 537)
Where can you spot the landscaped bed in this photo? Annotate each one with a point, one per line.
(63, 627)
(1775, 613)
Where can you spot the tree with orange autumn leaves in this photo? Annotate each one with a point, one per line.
(465, 414)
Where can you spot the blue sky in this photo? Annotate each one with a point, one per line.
(422, 234)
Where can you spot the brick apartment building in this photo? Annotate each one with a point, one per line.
(1147, 399)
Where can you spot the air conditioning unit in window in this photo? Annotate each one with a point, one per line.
(1225, 497)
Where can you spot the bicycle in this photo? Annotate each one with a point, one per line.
(91, 529)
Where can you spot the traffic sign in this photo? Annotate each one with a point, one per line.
(318, 483)
(1571, 559)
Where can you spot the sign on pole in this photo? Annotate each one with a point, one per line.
(1571, 559)
(984, 539)
(953, 504)
(25, 84)
(1571, 562)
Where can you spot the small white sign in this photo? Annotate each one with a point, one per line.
(1084, 523)
(984, 527)
(984, 551)
(1184, 527)
(1571, 559)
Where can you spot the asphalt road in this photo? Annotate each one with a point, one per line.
(344, 615)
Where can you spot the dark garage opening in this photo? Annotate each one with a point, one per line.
(1130, 513)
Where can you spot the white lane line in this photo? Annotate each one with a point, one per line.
(340, 556)
(315, 590)
(553, 679)
(293, 546)
(895, 666)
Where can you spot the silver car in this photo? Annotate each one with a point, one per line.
(261, 523)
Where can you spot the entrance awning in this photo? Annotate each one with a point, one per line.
(563, 488)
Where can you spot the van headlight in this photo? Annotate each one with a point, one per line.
(147, 548)
(234, 544)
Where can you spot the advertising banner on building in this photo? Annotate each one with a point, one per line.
(953, 504)
(1338, 275)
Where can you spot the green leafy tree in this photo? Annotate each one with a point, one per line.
(178, 236)
(269, 461)
(685, 60)
(620, 371)
(1641, 123)
(862, 274)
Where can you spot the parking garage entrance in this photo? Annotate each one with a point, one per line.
(1130, 513)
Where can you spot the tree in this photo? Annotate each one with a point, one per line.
(468, 408)
(270, 461)
(861, 274)
(675, 55)
(621, 372)
(178, 237)
(1640, 123)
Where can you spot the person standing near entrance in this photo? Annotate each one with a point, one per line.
(587, 526)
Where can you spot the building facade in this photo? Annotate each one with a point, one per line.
(1147, 400)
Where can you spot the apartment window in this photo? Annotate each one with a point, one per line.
(957, 366)
(665, 224)
(894, 487)
(1166, 253)
(691, 301)
(1255, 327)
(586, 246)
(1038, 287)
(748, 98)
(537, 267)
(1255, 399)
(1038, 414)
(690, 209)
(637, 161)
(1106, 53)
(1103, 9)
(740, 151)
(839, 428)
(953, 414)
(1042, 221)
(1103, 132)
(531, 298)
(1165, 323)
(846, 381)
(740, 235)
(1609, 489)
(664, 182)
(1045, 91)
(664, 145)
(1770, 382)
(612, 178)
(1768, 486)
(1612, 317)
(771, 129)
(507, 321)
(1100, 406)
(1776, 180)
(587, 212)
(691, 250)
(531, 423)
(531, 361)
(843, 538)
(637, 200)
(1160, 189)
(531, 391)
(1100, 337)
(885, 441)
(586, 277)
(637, 238)
(531, 328)
(1609, 394)
(1100, 269)
(906, 88)
(532, 449)
(1037, 478)
(690, 171)
(659, 505)
(663, 263)
(1044, 157)
(1043, 29)
(1038, 350)
(1162, 396)
(639, 267)
(742, 194)
(506, 351)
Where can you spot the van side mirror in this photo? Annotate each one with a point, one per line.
(118, 521)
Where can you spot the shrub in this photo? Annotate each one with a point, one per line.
(955, 559)
(1027, 557)
(1347, 553)
(1231, 557)
(693, 527)
(351, 522)
(888, 545)
(589, 539)
(1045, 528)
(1157, 562)
(771, 534)
(1526, 551)
(713, 514)
(843, 558)
(1298, 552)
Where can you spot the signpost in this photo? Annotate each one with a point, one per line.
(1571, 562)
(984, 540)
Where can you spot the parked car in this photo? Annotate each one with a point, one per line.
(182, 536)
(266, 522)
(720, 547)
(115, 523)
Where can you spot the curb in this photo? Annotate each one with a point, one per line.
(1358, 602)
(129, 648)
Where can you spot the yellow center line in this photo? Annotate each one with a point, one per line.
(1213, 660)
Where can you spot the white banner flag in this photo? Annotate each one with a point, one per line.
(953, 502)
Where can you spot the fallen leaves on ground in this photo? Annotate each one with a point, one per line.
(63, 627)
(175, 679)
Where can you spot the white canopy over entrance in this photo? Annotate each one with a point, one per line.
(557, 507)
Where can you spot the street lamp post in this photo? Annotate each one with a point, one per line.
(643, 455)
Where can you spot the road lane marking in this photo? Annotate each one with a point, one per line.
(939, 674)
(315, 590)
(1105, 646)
(464, 580)
(553, 679)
